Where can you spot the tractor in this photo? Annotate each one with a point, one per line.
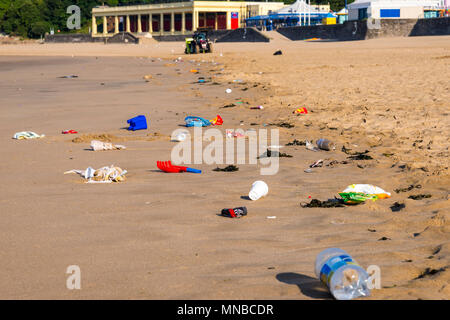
(198, 43)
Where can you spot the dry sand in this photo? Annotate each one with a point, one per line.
(157, 235)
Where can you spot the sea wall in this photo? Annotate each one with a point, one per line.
(360, 30)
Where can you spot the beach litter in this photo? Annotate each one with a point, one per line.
(358, 193)
(168, 167)
(234, 213)
(257, 108)
(300, 111)
(181, 136)
(99, 145)
(25, 135)
(193, 121)
(318, 163)
(230, 168)
(234, 134)
(69, 132)
(137, 123)
(228, 90)
(102, 175)
(148, 77)
(259, 189)
(325, 144)
(341, 274)
(310, 146)
(277, 53)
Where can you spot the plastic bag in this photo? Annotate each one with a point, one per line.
(356, 197)
(357, 193)
(368, 189)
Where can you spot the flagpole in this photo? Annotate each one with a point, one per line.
(309, 12)
(303, 14)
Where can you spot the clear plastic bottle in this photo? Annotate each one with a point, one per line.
(326, 144)
(345, 279)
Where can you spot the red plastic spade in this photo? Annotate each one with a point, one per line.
(167, 166)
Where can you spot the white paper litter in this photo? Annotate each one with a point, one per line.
(27, 135)
(102, 175)
(310, 146)
(99, 145)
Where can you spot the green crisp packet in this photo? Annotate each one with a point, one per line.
(356, 197)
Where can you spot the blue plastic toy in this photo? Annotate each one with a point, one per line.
(137, 123)
(196, 122)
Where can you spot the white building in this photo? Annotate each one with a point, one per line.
(391, 9)
(300, 6)
(306, 12)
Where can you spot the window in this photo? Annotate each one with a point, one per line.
(389, 13)
(362, 13)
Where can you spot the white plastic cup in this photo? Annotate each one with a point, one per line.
(259, 189)
(180, 137)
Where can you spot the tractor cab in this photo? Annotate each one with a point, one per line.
(198, 43)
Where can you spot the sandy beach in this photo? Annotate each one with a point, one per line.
(159, 235)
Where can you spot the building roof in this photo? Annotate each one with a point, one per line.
(297, 7)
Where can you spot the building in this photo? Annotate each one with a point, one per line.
(342, 15)
(391, 9)
(176, 18)
(329, 19)
(298, 14)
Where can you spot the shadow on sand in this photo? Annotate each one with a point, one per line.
(310, 287)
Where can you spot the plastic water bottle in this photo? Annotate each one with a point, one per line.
(326, 144)
(344, 278)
